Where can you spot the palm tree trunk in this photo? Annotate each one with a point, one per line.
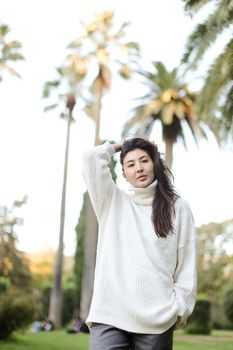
(55, 307)
(169, 153)
(97, 109)
(90, 240)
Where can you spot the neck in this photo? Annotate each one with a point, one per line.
(143, 196)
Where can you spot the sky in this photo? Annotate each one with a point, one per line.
(32, 142)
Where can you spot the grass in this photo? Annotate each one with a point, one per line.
(218, 340)
(56, 340)
(60, 340)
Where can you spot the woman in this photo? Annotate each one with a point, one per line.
(145, 278)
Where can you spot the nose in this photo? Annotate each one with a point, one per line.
(139, 168)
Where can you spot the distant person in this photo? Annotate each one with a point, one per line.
(78, 327)
(36, 326)
(145, 278)
(47, 326)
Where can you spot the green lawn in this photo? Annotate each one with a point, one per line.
(60, 340)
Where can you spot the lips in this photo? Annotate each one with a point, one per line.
(142, 177)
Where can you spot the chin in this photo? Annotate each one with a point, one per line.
(143, 185)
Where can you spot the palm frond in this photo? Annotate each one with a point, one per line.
(50, 107)
(4, 30)
(14, 44)
(194, 5)
(49, 86)
(219, 74)
(206, 33)
(13, 72)
(138, 117)
(195, 129)
(228, 110)
(165, 78)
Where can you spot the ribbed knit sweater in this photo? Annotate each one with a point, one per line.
(142, 281)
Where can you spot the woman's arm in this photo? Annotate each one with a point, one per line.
(185, 277)
(97, 174)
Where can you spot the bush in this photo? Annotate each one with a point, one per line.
(68, 305)
(4, 284)
(42, 300)
(228, 303)
(16, 312)
(199, 322)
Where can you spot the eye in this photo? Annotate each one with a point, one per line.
(145, 161)
(130, 165)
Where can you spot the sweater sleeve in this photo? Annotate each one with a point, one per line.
(97, 175)
(185, 276)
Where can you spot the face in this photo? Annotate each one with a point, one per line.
(138, 168)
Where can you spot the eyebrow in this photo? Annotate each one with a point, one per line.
(140, 158)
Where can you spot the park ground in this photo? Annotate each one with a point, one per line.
(60, 340)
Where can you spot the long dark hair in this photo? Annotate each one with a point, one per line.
(165, 194)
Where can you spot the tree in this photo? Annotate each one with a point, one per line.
(13, 263)
(168, 100)
(228, 302)
(66, 87)
(215, 100)
(16, 300)
(214, 264)
(79, 252)
(99, 50)
(9, 52)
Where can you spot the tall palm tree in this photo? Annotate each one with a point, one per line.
(216, 97)
(167, 100)
(102, 48)
(9, 52)
(64, 88)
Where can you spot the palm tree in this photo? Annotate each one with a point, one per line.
(215, 100)
(100, 48)
(9, 52)
(66, 88)
(169, 101)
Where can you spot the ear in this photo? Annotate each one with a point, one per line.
(123, 173)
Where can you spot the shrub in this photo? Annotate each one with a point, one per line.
(199, 321)
(68, 305)
(16, 312)
(4, 284)
(228, 303)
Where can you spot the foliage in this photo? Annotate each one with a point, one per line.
(199, 321)
(4, 284)
(78, 265)
(13, 263)
(61, 91)
(68, 305)
(215, 266)
(9, 51)
(102, 47)
(16, 311)
(169, 100)
(216, 97)
(228, 302)
(16, 302)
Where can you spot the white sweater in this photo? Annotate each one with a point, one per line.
(142, 281)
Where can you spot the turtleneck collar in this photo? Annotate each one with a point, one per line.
(143, 196)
